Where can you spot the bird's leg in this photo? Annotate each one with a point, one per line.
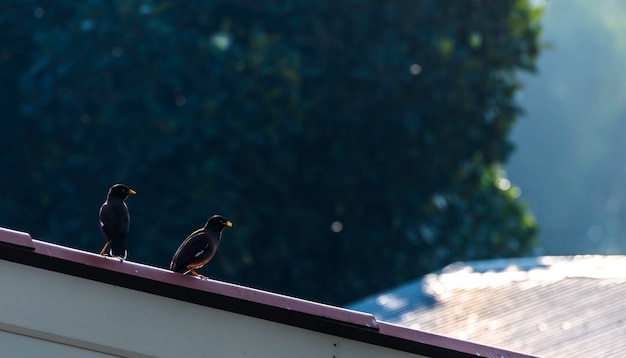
(202, 277)
(102, 252)
(122, 258)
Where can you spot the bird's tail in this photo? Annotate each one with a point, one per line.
(118, 249)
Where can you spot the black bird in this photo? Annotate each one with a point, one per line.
(199, 247)
(114, 220)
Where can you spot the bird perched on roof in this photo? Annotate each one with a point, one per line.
(199, 247)
(114, 220)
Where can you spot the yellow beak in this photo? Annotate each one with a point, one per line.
(131, 192)
(229, 224)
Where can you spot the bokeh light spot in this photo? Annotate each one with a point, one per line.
(336, 226)
(87, 25)
(221, 40)
(475, 39)
(415, 69)
(503, 184)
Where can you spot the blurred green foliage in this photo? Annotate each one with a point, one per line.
(387, 118)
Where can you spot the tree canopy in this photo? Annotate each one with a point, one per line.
(354, 144)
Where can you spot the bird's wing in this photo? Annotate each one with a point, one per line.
(114, 220)
(197, 243)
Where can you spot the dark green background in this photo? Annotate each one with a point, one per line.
(283, 116)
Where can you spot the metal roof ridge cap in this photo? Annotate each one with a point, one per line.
(291, 303)
(16, 238)
(222, 288)
(436, 340)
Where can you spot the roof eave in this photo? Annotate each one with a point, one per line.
(21, 248)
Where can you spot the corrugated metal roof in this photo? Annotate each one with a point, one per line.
(550, 306)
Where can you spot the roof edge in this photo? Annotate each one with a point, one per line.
(235, 298)
(16, 238)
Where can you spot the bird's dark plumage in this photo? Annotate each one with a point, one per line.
(199, 247)
(114, 220)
